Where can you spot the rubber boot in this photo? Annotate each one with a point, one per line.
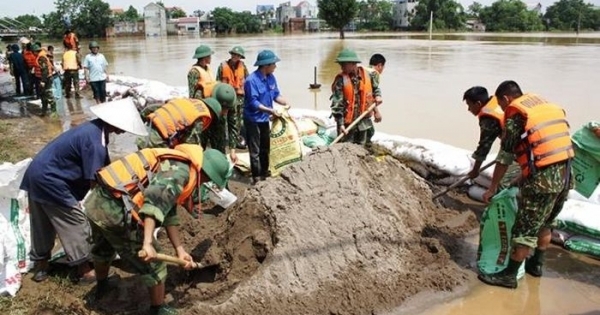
(163, 309)
(506, 278)
(533, 265)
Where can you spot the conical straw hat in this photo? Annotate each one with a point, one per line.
(121, 114)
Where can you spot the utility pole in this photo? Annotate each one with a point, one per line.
(430, 24)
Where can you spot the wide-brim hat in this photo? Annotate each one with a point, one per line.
(238, 50)
(24, 40)
(202, 51)
(216, 166)
(121, 114)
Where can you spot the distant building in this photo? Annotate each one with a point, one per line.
(266, 13)
(155, 20)
(292, 17)
(403, 11)
(183, 26)
(475, 25)
(126, 28)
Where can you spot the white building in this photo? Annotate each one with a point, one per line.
(304, 9)
(403, 11)
(155, 20)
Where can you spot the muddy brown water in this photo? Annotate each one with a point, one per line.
(422, 86)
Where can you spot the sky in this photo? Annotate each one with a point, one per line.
(39, 7)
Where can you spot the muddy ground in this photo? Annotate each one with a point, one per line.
(343, 232)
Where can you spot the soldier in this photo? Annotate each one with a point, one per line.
(201, 80)
(491, 121)
(354, 90)
(234, 73)
(71, 62)
(126, 207)
(223, 135)
(544, 155)
(376, 67)
(43, 71)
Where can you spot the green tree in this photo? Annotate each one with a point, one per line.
(131, 14)
(575, 15)
(177, 13)
(29, 20)
(474, 9)
(245, 23)
(89, 18)
(510, 16)
(224, 19)
(447, 15)
(338, 13)
(375, 15)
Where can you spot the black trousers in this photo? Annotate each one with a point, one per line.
(259, 145)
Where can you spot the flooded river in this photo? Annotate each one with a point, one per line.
(422, 86)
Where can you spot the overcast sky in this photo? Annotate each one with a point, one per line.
(39, 7)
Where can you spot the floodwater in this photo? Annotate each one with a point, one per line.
(422, 89)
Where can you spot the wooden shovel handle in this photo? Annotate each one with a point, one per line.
(168, 259)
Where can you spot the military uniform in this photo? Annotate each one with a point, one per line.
(193, 76)
(113, 232)
(155, 140)
(47, 95)
(543, 193)
(360, 133)
(375, 76)
(234, 116)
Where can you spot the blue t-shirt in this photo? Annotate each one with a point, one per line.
(97, 65)
(61, 172)
(259, 90)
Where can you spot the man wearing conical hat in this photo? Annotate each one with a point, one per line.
(59, 177)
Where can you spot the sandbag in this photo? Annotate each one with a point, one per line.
(286, 147)
(306, 127)
(315, 141)
(586, 164)
(584, 245)
(559, 237)
(15, 243)
(495, 233)
(579, 217)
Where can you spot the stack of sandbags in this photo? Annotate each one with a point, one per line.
(15, 238)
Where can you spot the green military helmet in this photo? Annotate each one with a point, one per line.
(94, 44)
(225, 94)
(266, 57)
(216, 166)
(202, 51)
(35, 48)
(347, 55)
(214, 106)
(238, 50)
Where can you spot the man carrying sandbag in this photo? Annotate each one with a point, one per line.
(139, 193)
(260, 91)
(537, 133)
(354, 90)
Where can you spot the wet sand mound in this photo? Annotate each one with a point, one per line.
(342, 232)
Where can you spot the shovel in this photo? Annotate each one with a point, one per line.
(460, 182)
(174, 260)
(354, 123)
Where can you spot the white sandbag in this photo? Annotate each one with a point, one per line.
(306, 127)
(15, 243)
(320, 117)
(594, 198)
(476, 192)
(580, 217)
(438, 157)
(559, 237)
(11, 176)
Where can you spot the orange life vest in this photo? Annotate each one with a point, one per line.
(30, 59)
(206, 82)
(38, 68)
(546, 139)
(128, 177)
(178, 115)
(365, 90)
(70, 40)
(235, 78)
(493, 110)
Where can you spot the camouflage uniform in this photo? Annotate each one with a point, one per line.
(47, 95)
(113, 232)
(193, 92)
(191, 135)
(220, 134)
(542, 194)
(360, 133)
(234, 116)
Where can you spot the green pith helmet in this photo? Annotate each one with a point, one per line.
(94, 44)
(238, 50)
(347, 55)
(216, 166)
(214, 106)
(202, 51)
(35, 48)
(266, 57)
(225, 95)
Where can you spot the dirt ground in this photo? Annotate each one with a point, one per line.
(343, 232)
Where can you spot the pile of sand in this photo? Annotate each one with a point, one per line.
(342, 232)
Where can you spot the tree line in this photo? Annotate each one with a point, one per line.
(90, 18)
